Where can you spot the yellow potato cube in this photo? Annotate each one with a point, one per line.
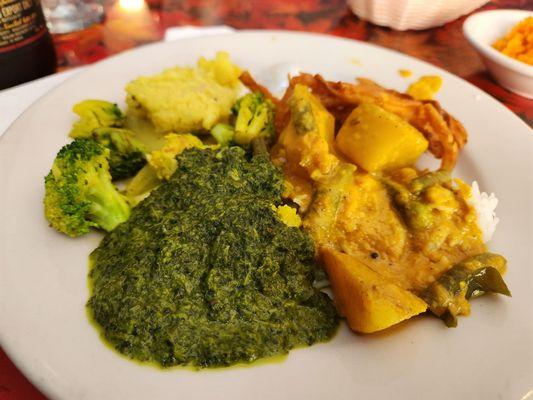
(369, 301)
(376, 139)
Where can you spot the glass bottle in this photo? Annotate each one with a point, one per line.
(26, 48)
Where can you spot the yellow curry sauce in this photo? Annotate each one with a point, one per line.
(353, 212)
(359, 218)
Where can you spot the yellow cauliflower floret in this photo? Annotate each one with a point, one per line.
(163, 161)
(187, 99)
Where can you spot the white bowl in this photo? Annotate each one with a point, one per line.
(412, 14)
(482, 30)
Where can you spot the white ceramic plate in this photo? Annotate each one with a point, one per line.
(43, 289)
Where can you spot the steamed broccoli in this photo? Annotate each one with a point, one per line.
(79, 193)
(95, 114)
(127, 154)
(100, 120)
(254, 118)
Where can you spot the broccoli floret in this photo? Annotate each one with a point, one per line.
(254, 118)
(224, 134)
(79, 193)
(100, 120)
(127, 154)
(95, 114)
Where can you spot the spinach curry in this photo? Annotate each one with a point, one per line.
(205, 274)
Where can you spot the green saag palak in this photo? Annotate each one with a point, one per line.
(205, 274)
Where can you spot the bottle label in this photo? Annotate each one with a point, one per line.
(21, 22)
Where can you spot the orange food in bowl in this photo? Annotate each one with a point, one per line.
(518, 43)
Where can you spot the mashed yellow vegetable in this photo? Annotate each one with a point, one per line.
(518, 43)
(187, 99)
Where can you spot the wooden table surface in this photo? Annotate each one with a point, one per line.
(131, 23)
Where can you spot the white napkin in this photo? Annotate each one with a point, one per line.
(15, 100)
(184, 32)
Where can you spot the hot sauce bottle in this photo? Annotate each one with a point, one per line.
(26, 48)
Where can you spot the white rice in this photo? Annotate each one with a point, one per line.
(485, 205)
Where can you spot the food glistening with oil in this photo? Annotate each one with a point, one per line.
(232, 286)
(238, 208)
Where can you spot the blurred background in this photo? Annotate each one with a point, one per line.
(130, 23)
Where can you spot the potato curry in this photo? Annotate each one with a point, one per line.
(394, 240)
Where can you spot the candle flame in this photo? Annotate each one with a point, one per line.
(131, 5)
